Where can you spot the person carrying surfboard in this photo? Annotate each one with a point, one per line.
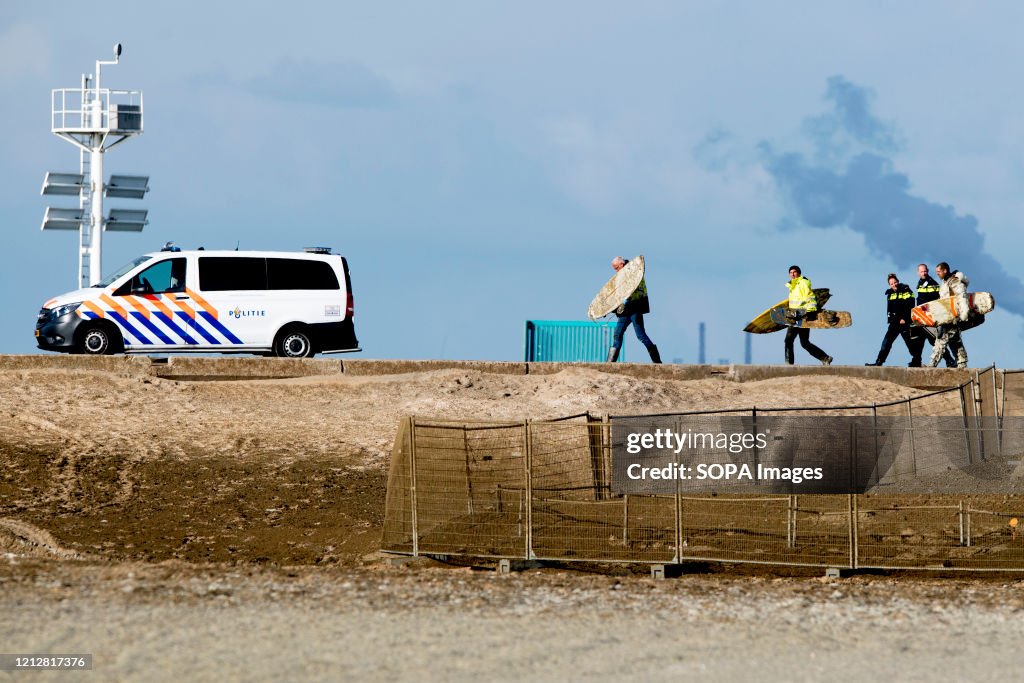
(928, 290)
(631, 311)
(954, 284)
(803, 301)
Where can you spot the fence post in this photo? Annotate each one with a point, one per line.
(978, 408)
(853, 456)
(1001, 411)
(679, 507)
(1002, 398)
(967, 434)
(995, 413)
(960, 515)
(979, 412)
(791, 522)
(796, 511)
(625, 520)
(753, 430)
(856, 530)
(469, 471)
(874, 430)
(606, 454)
(850, 531)
(528, 463)
(910, 427)
(412, 487)
(969, 529)
(595, 431)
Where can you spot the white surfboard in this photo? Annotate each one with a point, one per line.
(617, 289)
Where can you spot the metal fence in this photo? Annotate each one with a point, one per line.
(541, 490)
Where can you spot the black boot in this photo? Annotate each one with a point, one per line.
(655, 356)
(613, 354)
(883, 353)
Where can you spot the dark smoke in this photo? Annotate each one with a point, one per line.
(851, 183)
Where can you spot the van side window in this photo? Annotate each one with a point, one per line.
(227, 273)
(165, 276)
(293, 273)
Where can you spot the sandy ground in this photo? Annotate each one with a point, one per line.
(229, 530)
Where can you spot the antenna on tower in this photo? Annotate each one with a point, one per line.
(94, 119)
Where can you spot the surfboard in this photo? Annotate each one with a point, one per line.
(763, 323)
(825, 320)
(617, 289)
(943, 311)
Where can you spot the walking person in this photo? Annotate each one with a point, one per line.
(928, 290)
(954, 284)
(803, 301)
(631, 312)
(899, 302)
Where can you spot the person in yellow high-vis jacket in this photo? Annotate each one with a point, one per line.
(802, 299)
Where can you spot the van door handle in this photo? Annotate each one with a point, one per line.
(179, 298)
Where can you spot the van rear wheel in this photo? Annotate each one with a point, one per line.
(294, 342)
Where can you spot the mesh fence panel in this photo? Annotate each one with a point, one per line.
(906, 531)
(986, 400)
(398, 513)
(469, 488)
(994, 538)
(543, 490)
(573, 515)
(1012, 403)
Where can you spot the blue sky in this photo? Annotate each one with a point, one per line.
(480, 164)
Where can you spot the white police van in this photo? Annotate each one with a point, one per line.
(264, 302)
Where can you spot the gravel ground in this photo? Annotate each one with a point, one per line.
(175, 621)
(229, 531)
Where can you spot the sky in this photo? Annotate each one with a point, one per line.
(480, 164)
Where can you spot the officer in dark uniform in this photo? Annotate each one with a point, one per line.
(899, 301)
(928, 290)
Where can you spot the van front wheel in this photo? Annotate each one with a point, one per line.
(294, 342)
(98, 340)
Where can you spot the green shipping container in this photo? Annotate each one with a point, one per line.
(570, 341)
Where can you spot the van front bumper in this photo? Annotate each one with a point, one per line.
(58, 334)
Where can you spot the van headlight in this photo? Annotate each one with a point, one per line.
(61, 311)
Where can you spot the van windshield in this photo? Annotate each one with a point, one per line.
(109, 280)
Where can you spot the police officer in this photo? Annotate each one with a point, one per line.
(805, 303)
(928, 290)
(899, 301)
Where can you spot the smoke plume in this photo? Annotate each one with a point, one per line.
(851, 182)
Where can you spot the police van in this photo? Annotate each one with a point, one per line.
(291, 304)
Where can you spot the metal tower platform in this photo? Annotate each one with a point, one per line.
(94, 119)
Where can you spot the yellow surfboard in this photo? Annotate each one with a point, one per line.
(763, 323)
